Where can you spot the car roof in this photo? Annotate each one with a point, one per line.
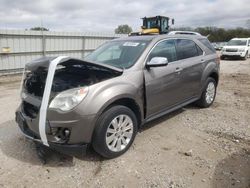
(159, 37)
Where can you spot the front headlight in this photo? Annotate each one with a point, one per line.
(68, 99)
(242, 50)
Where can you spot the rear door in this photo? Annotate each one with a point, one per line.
(191, 60)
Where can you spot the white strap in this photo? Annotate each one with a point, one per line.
(45, 100)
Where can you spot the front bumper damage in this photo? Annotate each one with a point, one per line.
(67, 132)
(77, 150)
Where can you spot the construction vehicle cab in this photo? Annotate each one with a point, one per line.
(155, 25)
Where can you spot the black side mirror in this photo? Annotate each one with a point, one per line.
(172, 21)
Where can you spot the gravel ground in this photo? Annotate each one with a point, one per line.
(190, 147)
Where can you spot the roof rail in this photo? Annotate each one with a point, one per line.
(183, 33)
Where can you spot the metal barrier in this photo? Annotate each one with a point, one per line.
(18, 47)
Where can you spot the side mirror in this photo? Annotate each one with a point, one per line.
(157, 62)
(172, 21)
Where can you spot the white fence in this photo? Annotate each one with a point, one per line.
(19, 47)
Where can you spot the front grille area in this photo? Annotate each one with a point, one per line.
(231, 50)
(30, 110)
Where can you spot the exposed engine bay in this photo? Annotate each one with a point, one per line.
(69, 74)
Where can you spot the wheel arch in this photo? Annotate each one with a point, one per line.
(127, 102)
(124, 101)
(211, 70)
(215, 76)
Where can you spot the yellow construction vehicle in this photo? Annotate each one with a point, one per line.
(154, 25)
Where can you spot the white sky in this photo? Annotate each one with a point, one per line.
(106, 15)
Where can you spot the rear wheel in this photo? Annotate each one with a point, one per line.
(208, 94)
(115, 131)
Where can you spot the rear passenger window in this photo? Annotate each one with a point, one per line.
(164, 49)
(187, 49)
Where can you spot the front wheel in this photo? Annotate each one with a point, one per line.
(115, 131)
(208, 94)
(245, 58)
(222, 57)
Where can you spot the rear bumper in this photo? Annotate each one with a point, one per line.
(77, 150)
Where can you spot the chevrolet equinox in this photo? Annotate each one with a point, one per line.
(102, 100)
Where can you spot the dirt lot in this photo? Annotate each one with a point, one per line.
(188, 148)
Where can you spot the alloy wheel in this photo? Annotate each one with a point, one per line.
(119, 133)
(210, 92)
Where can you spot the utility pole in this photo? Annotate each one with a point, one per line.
(43, 40)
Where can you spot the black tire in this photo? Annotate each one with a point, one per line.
(99, 137)
(245, 58)
(202, 102)
(222, 57)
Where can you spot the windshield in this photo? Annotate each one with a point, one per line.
(152, 23)
(121, 54)
(237, 43)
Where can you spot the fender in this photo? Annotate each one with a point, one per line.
(104, 95)
(210, 68)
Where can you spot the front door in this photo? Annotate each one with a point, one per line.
(162, 84)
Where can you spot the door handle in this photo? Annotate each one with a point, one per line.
(178, 70)
(202, 60)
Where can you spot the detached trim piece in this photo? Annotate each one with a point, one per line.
(45, 100)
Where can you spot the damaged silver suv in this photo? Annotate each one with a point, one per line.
(69, 104)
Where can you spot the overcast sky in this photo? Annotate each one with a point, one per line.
(105, 15)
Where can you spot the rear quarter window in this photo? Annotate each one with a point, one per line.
(206, 43)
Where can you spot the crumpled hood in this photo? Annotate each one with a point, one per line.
(45, 62)
(47, 76)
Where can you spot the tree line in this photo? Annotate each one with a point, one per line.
(215, 34)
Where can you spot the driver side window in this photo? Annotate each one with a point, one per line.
(164, 49)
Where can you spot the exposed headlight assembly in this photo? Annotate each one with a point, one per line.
(69, 99)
